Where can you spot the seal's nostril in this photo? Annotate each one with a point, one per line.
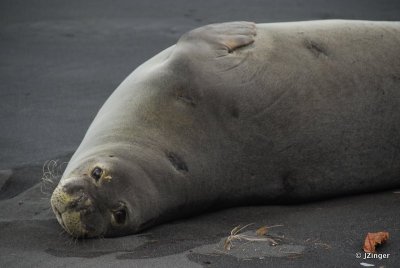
(80, 202)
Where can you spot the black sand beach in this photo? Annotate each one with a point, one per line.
(60, 60)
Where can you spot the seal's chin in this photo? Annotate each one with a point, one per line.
(71, 222)
(76, 213)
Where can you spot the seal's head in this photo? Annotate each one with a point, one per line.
(95, 197)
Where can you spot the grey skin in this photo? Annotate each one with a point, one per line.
(237, 114)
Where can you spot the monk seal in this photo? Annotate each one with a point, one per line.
(236, 114)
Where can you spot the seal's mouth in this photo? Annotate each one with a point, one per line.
(58, 216)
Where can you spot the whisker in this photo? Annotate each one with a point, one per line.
(51, 173)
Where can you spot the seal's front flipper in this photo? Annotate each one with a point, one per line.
(217, 40)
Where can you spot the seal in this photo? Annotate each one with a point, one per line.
(237, 114)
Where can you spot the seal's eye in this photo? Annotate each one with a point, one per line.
(96, 173)
(119, 216)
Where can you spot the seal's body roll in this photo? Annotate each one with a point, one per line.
(235, 114)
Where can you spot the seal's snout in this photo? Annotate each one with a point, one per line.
(70, 202)
(70, 195)
(79, 196)
(74, 186)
